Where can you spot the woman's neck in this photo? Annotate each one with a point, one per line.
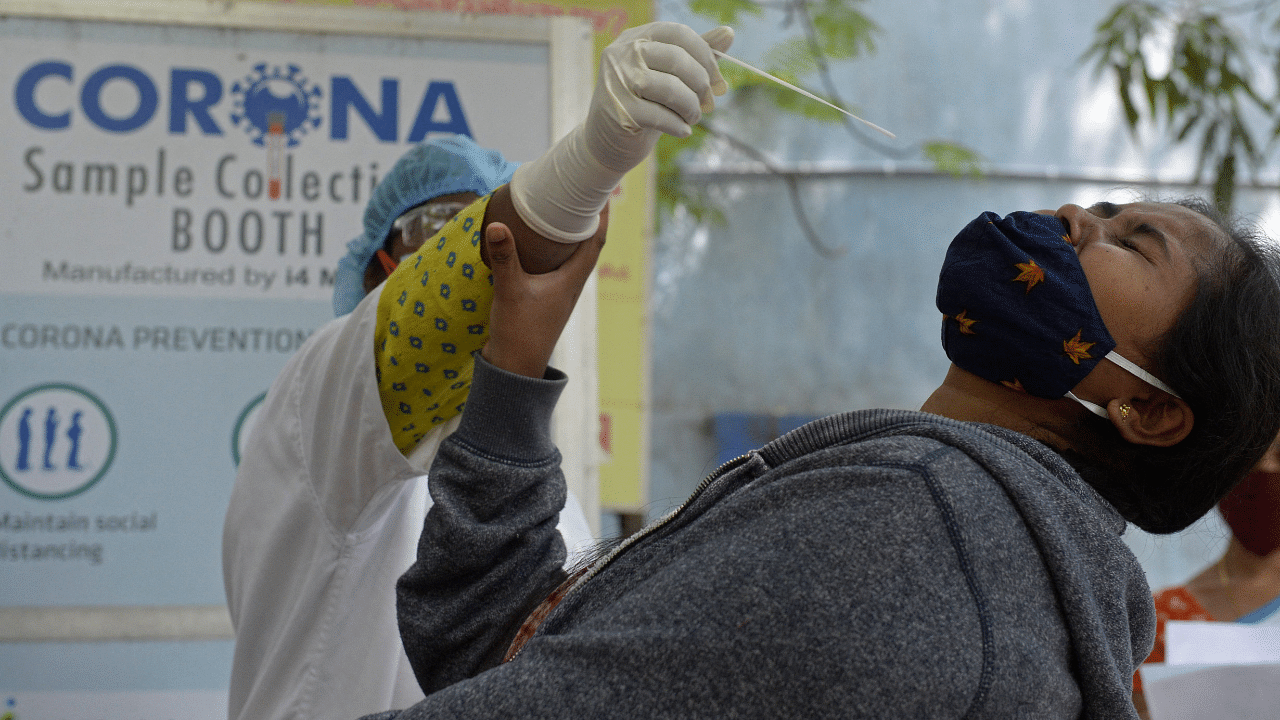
(967, 397)
(1239, 583)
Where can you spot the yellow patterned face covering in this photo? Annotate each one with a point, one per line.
(433, 313)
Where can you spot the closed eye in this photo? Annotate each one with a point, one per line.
(1128, 244)
(1151, 232)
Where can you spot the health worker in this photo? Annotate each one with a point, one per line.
(331, 493)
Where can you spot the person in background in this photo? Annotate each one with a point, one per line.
(1110, 364)
(331, 493)
(1244, 584)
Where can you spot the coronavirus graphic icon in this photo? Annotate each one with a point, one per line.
(272, 95)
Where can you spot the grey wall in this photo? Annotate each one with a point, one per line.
(748, 316)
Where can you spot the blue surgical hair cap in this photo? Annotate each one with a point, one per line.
(442, 166)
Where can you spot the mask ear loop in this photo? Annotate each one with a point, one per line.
(1143, 375)
(1094, 408)
(1132, 369)
(388, 265)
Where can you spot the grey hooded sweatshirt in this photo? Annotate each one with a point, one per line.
(876, 564)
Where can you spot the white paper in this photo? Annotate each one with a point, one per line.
(1215, 643)
(1222, 692)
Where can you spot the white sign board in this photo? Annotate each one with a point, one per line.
(181, 180)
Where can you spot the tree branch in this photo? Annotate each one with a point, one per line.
(793, 190)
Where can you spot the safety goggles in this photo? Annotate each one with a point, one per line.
(421, 222)
(417, 224)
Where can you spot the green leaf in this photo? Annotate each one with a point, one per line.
(822, 32)
(1224, 183)
(737, 77)
(725, 12)
(1241, 137)
(672, 191)
(792, 58)
(793, 102)
(1177, 100)
(1118, 38)
(1209, 88)
(843, 31)
(1191, 122)
(1195, 66)
(1206, 147)
(1153, 88)
(953, 159)
(1126, 98)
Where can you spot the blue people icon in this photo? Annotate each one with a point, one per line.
(24, 441)
(50, 437)
(73, 434)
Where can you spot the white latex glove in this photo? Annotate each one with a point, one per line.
(653, 79)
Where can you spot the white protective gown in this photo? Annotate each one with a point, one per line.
(324, 517)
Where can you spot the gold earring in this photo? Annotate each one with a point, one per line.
(1124, 411)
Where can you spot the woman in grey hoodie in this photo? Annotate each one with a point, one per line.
(1110, 364)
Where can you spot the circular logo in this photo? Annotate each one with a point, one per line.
(244, 427)
(55, 441)
(275, 101)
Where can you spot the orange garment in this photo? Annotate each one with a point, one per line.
(1175, 603)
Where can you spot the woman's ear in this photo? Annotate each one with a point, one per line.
(1160, 420)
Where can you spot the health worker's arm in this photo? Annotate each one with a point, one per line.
(653, 79)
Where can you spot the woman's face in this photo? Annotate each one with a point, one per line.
(1141, 260)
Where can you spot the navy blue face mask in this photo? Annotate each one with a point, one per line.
(1017, 310)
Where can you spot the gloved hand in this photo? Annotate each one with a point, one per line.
(654, 78)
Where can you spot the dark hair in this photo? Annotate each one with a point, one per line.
(1222, 355)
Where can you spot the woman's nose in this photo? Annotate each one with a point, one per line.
(1076, 221)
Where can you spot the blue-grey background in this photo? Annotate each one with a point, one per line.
(748, 317)
(745, 318)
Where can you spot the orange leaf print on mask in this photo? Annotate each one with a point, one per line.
(966, 323)
(1032, 274)
(1077, 349)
